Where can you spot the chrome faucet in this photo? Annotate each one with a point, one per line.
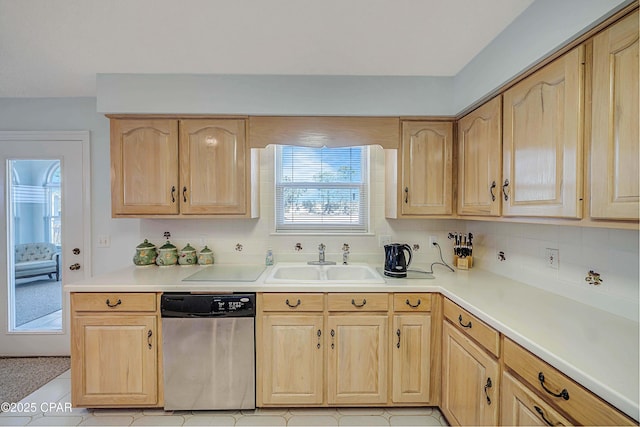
(321, 260)
(345, 253)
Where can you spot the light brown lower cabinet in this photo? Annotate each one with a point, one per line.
(357, 359)
(522, 407)
(292, 359)
(341, 349)
(410, 354)
(470, 380)
(114, 350)
(558, 391)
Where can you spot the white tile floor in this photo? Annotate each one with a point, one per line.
(50, 406)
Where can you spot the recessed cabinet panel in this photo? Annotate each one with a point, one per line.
(426, 187)
(411, 348)
(115, 360)
(144, 166)
(293, 359)
(542, 136)
(470, 381)
(357, 359)
(479, 160)
(212, 163)
(615, 139)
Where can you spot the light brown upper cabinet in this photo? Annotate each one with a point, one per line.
(144, 167)
(180, 167)
(419, 178)
(615, 140)
(542, 141)
(479, 160)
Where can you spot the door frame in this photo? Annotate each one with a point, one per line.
(82, 138)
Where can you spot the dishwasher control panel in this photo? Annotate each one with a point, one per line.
(208, 305)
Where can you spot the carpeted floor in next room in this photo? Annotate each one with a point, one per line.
(21, 376)
(36, 297)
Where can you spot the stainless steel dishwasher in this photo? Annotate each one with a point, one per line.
(209, 351)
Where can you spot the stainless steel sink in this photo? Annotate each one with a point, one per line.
(354, 274)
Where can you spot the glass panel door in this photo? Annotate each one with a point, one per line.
(34, 236)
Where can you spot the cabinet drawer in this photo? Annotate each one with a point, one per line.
(122, 301)
(358, 302)
(574, 400)
(522, 407)
(464, 321)
(412, 302)
(292, 302)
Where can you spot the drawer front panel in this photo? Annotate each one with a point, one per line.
(559, 390)
(412, 302)
(118, 301)
(358, 302)
(521, 407)
(292, 302)
(466, 322)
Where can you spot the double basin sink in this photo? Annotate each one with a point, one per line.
(352, 274)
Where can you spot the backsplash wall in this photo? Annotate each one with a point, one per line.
(611, 253)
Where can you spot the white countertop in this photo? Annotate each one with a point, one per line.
(595, 348)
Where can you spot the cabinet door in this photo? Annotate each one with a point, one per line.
(411, 358)
(144, 167)
(521, 407)
(357, 359)
(480, 160)
(470, 381)
(213, 167)
(426, 185)
(292, 369)
(114, 360)
(615, 141)
(542, 141)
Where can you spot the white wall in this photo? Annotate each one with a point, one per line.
(80, 114)
(540, 30)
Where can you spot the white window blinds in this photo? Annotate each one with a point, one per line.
(322, 189)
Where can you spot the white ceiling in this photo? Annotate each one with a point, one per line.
(55, 48)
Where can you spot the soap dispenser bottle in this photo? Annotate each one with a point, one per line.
(269, 258)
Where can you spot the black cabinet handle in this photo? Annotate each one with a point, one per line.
(563, 394)
(468, 325)
(486, 386)
(333, 335)
(504, 189)
(184, 194)
(173, 194)
(292, 306)
(411, 305)
(406, 194)
(398, 334)
(353, 302)
(149, 338)
(541, 413)
(493, 196)
(113, 305)
(319, 333)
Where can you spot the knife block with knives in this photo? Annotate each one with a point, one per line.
(462, 250)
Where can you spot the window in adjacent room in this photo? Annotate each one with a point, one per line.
(322, 189)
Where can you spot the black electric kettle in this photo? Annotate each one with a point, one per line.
(395, 264)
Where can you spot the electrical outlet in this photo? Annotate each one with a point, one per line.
(552, 257)
(432, 240)
(104, 241)
(384, 239)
